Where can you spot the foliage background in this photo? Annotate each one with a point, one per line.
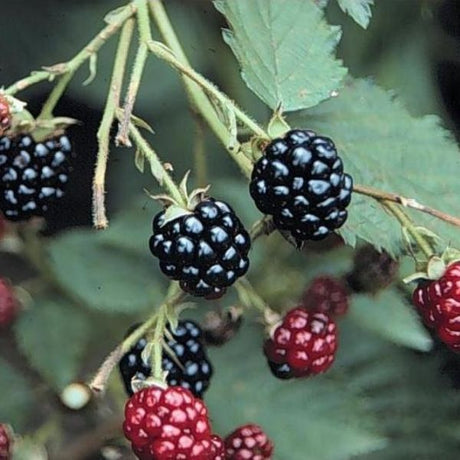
(391, 393)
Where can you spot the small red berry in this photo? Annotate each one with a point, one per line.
(438, 302)
(304, 344)
(4, 442)
(248, 442)
(326, 294)
(5, 115)
(219, 448)
(8, 304)
(169, 424)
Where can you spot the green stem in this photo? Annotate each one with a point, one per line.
(145, 35)
(199, 153)
(249, 297)
(103, 135)
(99, 381)
(262, 227)
(73, 64)
(157, 349)
(221, 131)
(405, 222)
(158, 170)
(55, 95)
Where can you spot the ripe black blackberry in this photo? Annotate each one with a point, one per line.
(205, 250)
(301, 183)
(32, 174)
(190, 368)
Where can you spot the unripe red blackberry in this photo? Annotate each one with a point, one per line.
(304, 344)
(372, 270)
(326, 294)
(5, 442)
(32, 174)
(438, 302)
(5, 115)
(248, 442)
(169, 423)
(205, 250)
(301, 183)
(9, 305)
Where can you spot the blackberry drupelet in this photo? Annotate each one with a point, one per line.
(206, 250)
(186, 344)
(32, 174)
(301, 183)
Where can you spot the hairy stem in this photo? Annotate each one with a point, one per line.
(249, 297)
(262, 227)
(158, 170)
(49, 73)
(103, 135)
(143, 23)
(55, 95)
(405, 222)
(99, 381)
(407, 202)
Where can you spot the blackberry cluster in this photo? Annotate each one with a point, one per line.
(206, 251)
(186, 344)
(301, 183)
(32, 174)
(304, 344)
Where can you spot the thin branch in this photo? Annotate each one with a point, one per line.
(407, 202)
(164, 179)
(103, 135)
(405, 222)
(49, 73)
(145, 35)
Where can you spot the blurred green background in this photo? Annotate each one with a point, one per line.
(381, 401)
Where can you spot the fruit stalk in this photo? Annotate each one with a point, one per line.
(103, 135)
(99, 381)
(165, 180)
(406, 223)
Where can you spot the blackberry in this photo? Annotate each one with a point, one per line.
(302, 345)
(32, 174)
(372, 270)
(301, 183)
(206, 250)
(189, 368)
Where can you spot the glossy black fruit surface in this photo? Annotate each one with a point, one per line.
(301, 183)
(32, 174)
(206, 251)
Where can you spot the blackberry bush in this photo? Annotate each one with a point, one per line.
(300, 182)
(206, 250)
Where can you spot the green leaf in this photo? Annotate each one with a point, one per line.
(16, 398)
(285, 49)
(383, 146)
(104, 277)
(388, 316)
(53, 336)
(359, 10)
(297, 415)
